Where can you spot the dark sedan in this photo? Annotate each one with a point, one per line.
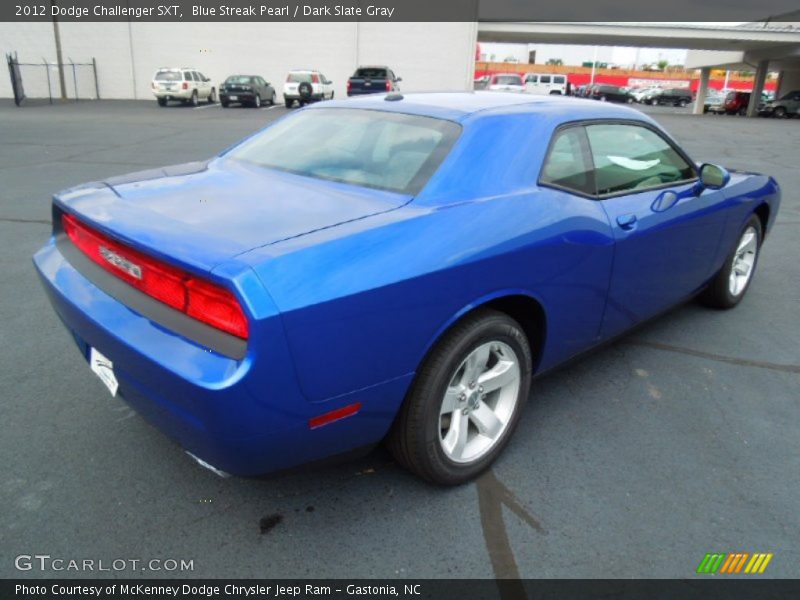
(247, 90)
(610, 93)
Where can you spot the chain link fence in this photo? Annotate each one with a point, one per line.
(52, 80)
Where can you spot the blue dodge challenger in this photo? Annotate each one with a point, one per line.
(390, 267)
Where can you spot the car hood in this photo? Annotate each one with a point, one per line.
(201, 214)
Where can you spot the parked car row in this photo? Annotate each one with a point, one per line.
(302, 86)
(538, 84)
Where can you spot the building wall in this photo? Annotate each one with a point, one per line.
(428, 56)
(789, 81)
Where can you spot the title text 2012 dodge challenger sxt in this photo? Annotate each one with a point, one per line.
(390, 266)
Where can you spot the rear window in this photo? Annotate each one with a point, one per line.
(369, 148)
(239, 79)
(168, 76)
(371, 73)
(299, 77)
(508, 80)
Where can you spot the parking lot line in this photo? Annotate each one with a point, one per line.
(269, 107)
(205, 106)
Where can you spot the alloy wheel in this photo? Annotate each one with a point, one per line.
(479, 402)
(743, 261)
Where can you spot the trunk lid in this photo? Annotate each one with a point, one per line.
(201, 214)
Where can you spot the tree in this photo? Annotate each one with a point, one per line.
(554, 61)
(662, 64)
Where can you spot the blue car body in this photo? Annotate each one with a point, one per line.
(347, 288)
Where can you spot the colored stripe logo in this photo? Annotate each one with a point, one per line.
(735, 562)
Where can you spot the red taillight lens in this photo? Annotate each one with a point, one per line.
(348, 85)
(388, 86)
(314, 78)
(200, 299)
(185, 85)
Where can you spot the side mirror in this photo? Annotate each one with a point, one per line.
(713, 176)
(398, 79)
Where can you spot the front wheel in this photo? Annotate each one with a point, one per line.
(257, 101)
(466, 400)
(682, 104)
(288, 103)
(732, 281)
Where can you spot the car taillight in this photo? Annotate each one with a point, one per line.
(315, 79)
(349, 85)
(200, 299)
(185, 85)
(388, 86)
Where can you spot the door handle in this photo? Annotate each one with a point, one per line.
(626, 221)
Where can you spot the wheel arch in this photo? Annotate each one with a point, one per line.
(520, 305)
(762, 212)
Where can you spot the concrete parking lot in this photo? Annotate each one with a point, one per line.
(680, 439)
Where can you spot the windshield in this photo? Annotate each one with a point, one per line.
(508, 80)
(370, 148)
(168, 76)
(299, 77)
(239, 79)
(371, 72)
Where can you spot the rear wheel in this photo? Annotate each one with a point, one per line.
(466, 400)
(743, 111)
(272, 99)
(162, 101)
(257, 101)
(780, 112)
(194, 100)
(288, 103)
(732, 281)
(212, 96)
(225, 103)
(682, 103)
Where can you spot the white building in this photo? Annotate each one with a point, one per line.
(428, 56)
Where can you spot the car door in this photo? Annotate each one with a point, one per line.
(667, 229)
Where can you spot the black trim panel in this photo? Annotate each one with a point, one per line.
(158, 312)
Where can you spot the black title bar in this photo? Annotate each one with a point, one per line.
(395, 10)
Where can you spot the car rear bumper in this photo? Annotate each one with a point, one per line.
(232, 414)
(240, 96)
(311, 98)
(173, 95)
(378, 90)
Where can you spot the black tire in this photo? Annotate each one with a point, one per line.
(414, 437)
(288, 103)
(742, 112)
(718, 293)
(162, 101)
(194, 101)
(682, 104)
(305, 90)
(212, 96)
(225, 103)
(779, 112)
(257, 101)
(272, 99)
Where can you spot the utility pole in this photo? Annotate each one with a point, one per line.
(60, 61)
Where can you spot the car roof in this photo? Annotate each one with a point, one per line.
(459, 106)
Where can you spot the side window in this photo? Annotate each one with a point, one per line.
(633, 158)
(187, 76)
(532, 78)
(200, 76)
(567, 164)
(544, 79)
(558, 79)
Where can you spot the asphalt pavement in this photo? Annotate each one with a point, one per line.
(678, 440)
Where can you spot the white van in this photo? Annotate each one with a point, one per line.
(544, 84)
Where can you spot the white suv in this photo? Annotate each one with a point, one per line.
(306, 86)
(185, 84)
